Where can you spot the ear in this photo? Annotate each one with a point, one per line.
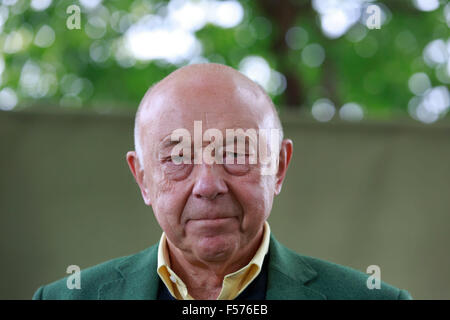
(138, 173)
(286, 150)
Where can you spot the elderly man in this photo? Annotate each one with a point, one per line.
(216, 242)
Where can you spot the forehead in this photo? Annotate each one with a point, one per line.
(220, 105)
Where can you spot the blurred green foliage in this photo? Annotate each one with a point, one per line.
(90, 67)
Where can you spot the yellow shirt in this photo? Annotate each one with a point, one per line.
(233, 283)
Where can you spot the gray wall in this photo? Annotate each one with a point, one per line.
(356, 194)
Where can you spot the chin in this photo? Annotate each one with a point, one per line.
(216, 248)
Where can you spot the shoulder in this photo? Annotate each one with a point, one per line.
(91, 279)
(344, 283)
(331, 280)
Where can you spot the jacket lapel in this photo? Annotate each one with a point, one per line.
(138, 278)
(288, 275)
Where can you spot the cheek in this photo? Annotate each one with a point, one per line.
(163, 180)
(255, 194)
(169, 198)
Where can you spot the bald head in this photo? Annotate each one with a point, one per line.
(203, 90)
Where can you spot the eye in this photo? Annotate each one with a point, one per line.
(176, 159)
(232, 154)
(231, 157)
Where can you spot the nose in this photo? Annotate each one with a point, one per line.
(209, 185)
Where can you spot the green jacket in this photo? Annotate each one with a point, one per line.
(290, 277)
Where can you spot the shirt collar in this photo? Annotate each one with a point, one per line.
(165, 272)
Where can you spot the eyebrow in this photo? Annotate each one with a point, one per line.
(165, 145)
(167, 142)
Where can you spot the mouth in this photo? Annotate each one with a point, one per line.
(213, 220)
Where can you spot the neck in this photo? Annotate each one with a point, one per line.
(204, 278)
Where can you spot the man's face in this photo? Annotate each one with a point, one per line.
(207, 210)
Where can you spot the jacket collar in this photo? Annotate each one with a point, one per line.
(288, 274)
(138, 279)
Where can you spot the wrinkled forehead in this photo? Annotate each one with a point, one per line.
(216, 106)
